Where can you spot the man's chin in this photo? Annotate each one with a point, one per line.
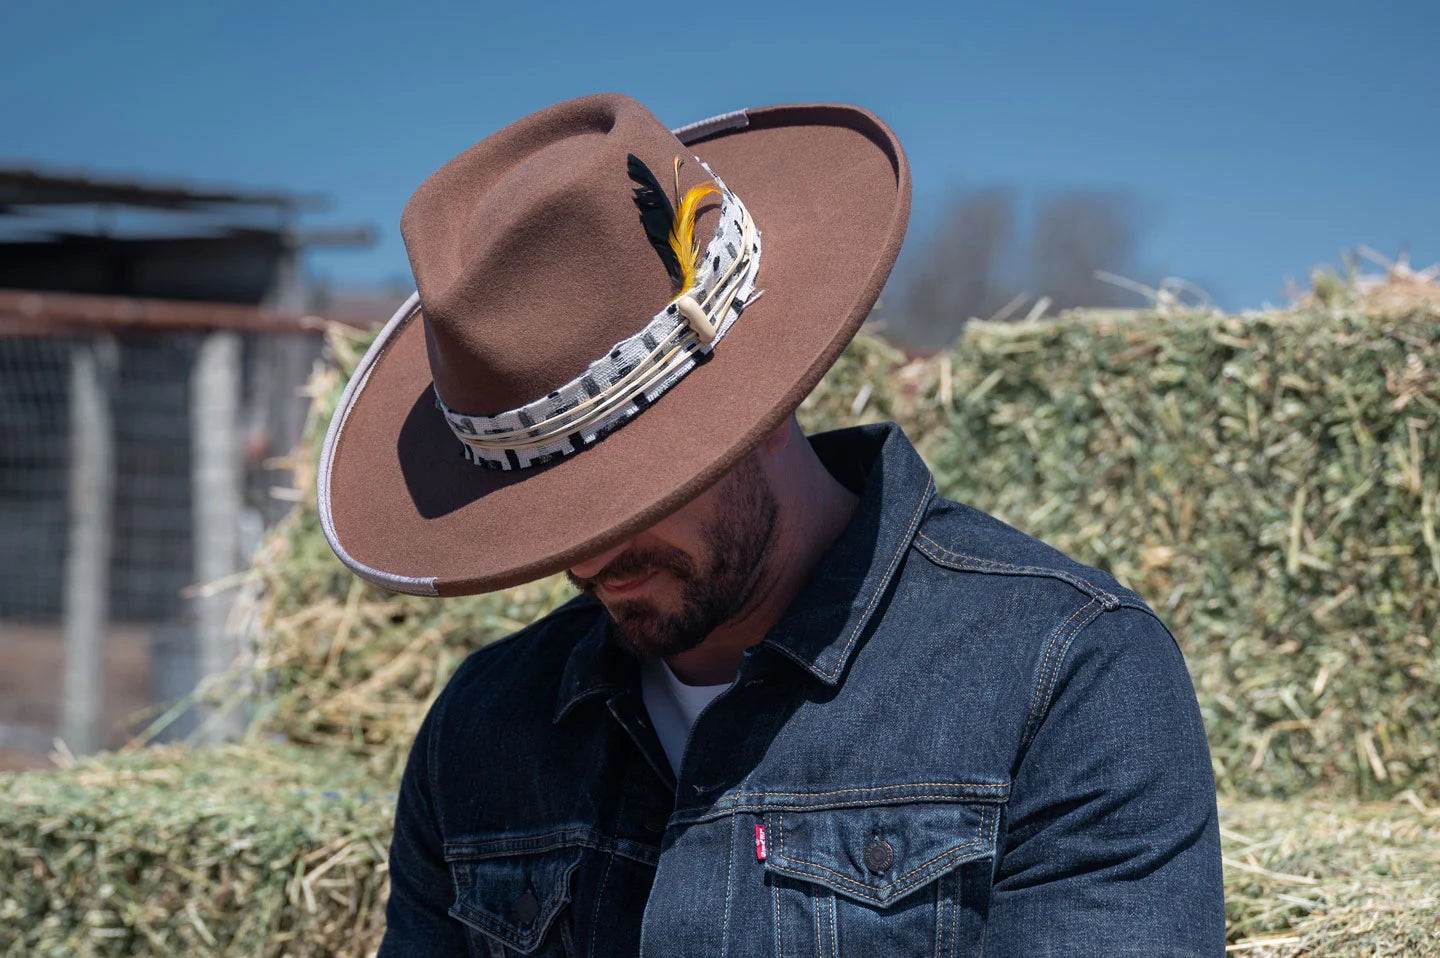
(649, 634)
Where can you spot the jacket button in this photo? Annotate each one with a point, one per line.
(527, 907)
(879, 855)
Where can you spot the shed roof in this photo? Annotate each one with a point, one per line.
(28, 186)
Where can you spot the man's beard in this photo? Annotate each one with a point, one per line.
(739, 539)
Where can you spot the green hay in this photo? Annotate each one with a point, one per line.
(1271, 484)
(1320, 879)
(235, 851)
(276, 850)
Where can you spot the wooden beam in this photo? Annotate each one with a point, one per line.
(25, 313)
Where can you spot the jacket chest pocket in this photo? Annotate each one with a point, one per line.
(909, 878)
(514, 895)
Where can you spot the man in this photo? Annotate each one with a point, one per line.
(803, 705)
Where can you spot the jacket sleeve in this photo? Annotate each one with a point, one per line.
(1110, 841)
(417, 920)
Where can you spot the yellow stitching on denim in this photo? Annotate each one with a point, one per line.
(876, 788)
(508, 844)
(1045, 664)
(815, 916)
(947, 799)
(834, 932)
(1040, 681)
(1070, 577)
(466, 852)
(1049, 681)
(506, 931)
(730, 874)
(775, 897)
(709, 816)
(473, 852)
(780, 848)
(940, 917)
(600, 896)
(845, 879)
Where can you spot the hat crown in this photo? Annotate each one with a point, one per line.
(529, 252)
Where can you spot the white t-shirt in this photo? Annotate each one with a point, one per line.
(673, 706)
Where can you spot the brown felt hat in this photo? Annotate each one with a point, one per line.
(534, 264)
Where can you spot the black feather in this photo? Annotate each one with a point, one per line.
(656, 214)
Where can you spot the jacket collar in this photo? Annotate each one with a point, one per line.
(597, 666)
(822, 627)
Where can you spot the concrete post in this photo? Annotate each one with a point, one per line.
(93, 368)
(216, 491)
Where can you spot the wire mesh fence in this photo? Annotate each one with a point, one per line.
(151, 551)
(135, 465)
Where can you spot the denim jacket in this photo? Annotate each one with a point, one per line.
(957, 741)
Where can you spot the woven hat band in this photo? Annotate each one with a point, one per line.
(636, 371)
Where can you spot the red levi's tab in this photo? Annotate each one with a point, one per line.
(759, 843)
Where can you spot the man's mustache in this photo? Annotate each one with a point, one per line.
(636, 563)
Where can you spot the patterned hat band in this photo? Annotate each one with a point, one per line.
(636, 371)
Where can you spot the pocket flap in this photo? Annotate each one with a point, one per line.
(512, 888)
(880, 853)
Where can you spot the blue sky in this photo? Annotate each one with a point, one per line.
(1259, 139)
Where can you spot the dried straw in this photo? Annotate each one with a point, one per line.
(270, 849)
(233, 851)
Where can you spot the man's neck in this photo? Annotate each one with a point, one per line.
(815, 508)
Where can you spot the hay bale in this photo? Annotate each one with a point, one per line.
(233, 851)
(1269, 483)
(1318, 879)
(270, 849)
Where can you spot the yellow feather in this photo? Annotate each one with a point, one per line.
(682, 234)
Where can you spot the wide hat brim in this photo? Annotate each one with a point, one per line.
(829, 188)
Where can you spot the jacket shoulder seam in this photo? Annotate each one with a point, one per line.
(1141, 606)
(963, 562)
(1058, 646)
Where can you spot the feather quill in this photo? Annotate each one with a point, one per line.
(682, 234)
(656, 215)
